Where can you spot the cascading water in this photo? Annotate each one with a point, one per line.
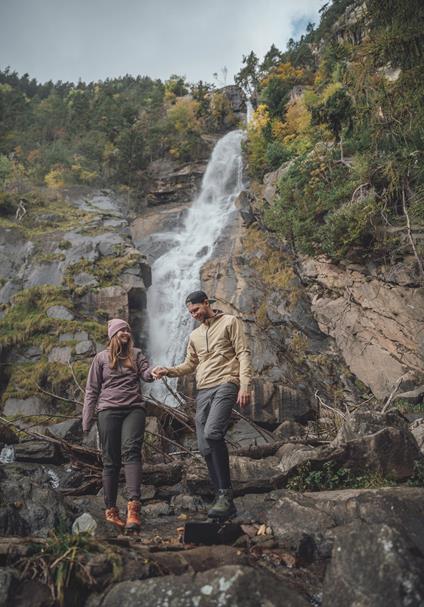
(177, 272)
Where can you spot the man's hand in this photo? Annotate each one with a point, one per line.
(243, 398)
(159, 372)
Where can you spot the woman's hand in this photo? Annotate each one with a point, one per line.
(159, 372)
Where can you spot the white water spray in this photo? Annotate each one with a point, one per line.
(177, 272)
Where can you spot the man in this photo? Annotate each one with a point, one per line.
(217, 350)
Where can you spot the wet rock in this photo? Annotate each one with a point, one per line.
(37, 451)
(59, 312)
(234, 585)
(374, 565)
(29, 506)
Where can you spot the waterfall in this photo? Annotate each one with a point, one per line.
(177, 272)
(249, 112)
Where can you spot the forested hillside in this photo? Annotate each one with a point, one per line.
(101, 133)
(344, 107)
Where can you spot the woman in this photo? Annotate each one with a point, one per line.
(113, 390)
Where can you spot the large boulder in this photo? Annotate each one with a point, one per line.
(234, 585)
(33, 405)
(38, 452)
(28, 504)
(376, 323)
(375, 565)
(367, 443)
(247, 475)
(320, 515)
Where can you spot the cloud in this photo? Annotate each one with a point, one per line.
(96, 39)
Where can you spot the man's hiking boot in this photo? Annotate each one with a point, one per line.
(112, 516)
(133, 516)
(224, 506)
(215, 499)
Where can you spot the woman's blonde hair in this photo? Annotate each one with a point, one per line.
(116, 354)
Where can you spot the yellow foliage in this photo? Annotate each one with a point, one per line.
(260, 118)
(184, 115)
(33, 155)
(270, 263)
(83, 175)
(278, 129)
(56, 178)
(330, 89)
(284, 71)
(298, 117)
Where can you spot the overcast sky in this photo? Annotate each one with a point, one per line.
(97, 39)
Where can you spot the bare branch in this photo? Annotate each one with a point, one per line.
(411, 240)
(75, 377)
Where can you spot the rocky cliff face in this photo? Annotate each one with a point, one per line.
(374, 313)
(66, 268)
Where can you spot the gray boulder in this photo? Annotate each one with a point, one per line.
(60, 355)
(320, 515)
(417, 430)
(84, 347)
(70, 430)
(235, 585)
(25, 406)
(29, 506)
(37, 451)
(59, 312)
(375, 565)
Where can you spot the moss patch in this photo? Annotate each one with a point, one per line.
(272, 265)
(26, 321)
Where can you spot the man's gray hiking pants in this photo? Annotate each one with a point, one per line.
(213, 413)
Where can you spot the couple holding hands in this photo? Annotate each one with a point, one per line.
(218, 353)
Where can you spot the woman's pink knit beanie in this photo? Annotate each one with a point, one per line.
(115, 325)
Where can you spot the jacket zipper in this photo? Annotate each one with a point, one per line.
(207, 347)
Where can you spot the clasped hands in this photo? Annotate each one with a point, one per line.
(158, 372)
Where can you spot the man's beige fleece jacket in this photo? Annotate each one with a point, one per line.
(217, 350)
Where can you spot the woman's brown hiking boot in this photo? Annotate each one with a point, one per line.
(133, 516)
(112, 516)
